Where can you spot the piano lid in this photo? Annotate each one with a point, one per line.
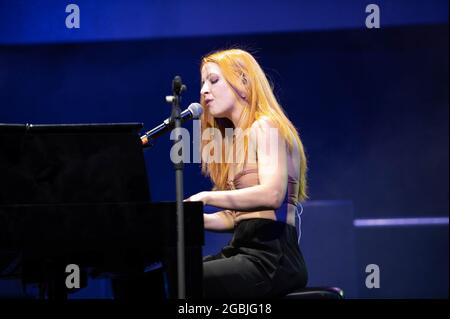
(70, 128)
(72, 163)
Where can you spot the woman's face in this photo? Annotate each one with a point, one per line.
(219, 97)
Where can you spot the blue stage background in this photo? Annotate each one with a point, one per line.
(371, 105)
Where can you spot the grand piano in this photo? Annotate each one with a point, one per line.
(79, 194)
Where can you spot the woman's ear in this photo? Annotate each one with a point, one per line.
(244, 79)
(245, 83)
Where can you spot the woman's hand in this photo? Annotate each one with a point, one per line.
(199, 197)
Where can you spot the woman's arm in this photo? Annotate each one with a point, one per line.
(220, 221)
(272, 173)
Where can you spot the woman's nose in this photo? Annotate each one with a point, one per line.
(205, 89)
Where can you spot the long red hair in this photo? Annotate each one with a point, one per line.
(244, 75)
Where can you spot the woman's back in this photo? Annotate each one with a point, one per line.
(248, 177)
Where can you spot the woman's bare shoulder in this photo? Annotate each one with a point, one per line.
(263, 122)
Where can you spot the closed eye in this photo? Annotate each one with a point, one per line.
(212, 78)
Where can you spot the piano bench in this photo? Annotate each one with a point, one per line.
(316, 293)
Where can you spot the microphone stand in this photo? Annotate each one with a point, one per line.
(177, 88)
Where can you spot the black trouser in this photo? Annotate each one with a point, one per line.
(262, 260)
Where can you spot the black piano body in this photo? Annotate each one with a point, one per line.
(78, 194)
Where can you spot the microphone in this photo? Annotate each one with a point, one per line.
(192, 112)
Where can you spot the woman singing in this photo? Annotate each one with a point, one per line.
(259, 176)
